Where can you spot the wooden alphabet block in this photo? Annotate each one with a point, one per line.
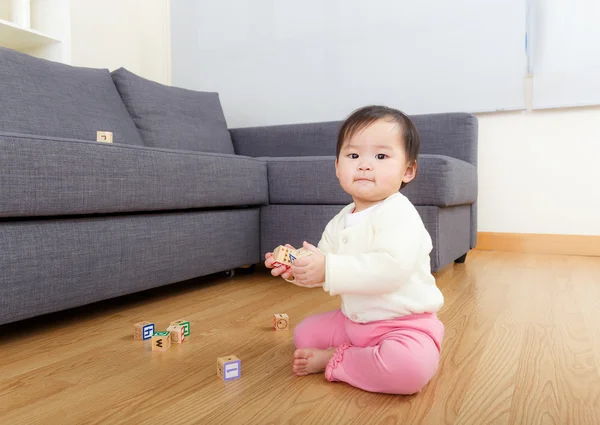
(229, 368)
(184, 323)
(143, 330)
(177, 333)
(161, 341)
(281, 254)
(281, 322)
(285, 256)
(104, 136)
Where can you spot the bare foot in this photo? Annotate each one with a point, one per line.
(311, 360)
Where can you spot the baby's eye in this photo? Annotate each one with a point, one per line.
(353, 155)
(381, 156)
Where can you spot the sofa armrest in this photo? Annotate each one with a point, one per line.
(311, 139)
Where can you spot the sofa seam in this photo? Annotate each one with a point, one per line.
(129, 147)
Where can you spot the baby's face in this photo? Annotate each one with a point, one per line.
(372, 164)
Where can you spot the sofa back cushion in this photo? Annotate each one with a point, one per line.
(47, 98)
(172, 117)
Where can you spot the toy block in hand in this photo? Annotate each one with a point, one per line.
(161, 341)
(281, 322)
(184, 323)
(281, 255)
(285, 256)
(229, 368)
(177, 333)
(143, 330)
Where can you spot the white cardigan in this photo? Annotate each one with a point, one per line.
(380, 266)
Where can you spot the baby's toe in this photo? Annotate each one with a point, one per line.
(303, 353)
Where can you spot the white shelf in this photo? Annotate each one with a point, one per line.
(15, 37)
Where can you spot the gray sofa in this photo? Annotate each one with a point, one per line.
(177, 195)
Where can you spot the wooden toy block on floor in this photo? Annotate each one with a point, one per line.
(143, 330)
(177, 333)
(229, 368)
(285, 256)
(281, 322)
(161, 341)
(104, 136)
(184, 323)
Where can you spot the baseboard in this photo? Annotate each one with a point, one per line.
(539, 243)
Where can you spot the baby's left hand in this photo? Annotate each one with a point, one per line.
(309, 271)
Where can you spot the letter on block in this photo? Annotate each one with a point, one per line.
(229, 368)
(177, 333)
(143, 330)
(285, 256)
(281, 322)
(161, 341)
(184, 323)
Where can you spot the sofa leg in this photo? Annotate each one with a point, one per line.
(228, 273)
(461, 259)
(247, 269)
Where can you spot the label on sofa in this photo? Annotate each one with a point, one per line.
(104, 136)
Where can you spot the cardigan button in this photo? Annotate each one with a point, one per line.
(345, 240)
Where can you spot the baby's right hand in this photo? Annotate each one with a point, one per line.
(282, 271)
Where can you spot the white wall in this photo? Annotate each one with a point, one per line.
(52, 17)
(565, 45)
(539, 172)
(105, 34)
(133, 34)
(5, 10)
(337, 55)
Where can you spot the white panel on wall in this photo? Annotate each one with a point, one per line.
(279, 62)
(565, 55)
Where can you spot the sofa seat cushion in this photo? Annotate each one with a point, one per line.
(441, 181)
(47, 98)
(172, 117)
(48, 176)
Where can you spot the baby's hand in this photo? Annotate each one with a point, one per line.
(282, 271)
(310, 271)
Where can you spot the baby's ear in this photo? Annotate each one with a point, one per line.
(410, 172)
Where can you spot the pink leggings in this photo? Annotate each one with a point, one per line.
(397, 356)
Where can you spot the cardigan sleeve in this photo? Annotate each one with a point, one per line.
(326, 243)
(399, 243)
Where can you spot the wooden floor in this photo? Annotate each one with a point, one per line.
(522, 346)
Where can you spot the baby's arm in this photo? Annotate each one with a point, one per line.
(400, 242)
